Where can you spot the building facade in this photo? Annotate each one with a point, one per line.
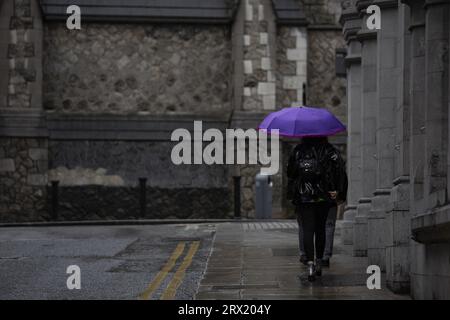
(89, 113)
(398, 83)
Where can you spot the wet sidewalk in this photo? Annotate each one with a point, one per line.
(259, 260)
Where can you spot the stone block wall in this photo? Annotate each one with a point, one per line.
(23, 159)
(130, 69)
(258, 56)
(322, 12)
(23, 179)
(100, 180)
(404, 112)
(137, 68)
(430, 272)
(53, 77)
(21, 54)
(292, 66)
(324, 88)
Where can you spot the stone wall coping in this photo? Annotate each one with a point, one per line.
(211, 11)
(117, 127)
(353, 59)
(432, 226)
(325, 27)
(401, 180)
(413, 26)
(351, 28)
(364, 35)
(289, 12)
(386, 4)
(382, 192)
(365, 200)
(362, 5)
(23, 123)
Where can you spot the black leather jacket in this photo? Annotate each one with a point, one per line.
(334, 177)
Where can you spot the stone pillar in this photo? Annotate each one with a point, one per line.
(254, 58)
(417, 111)
(429, 224)
(270, 70)
(351, 22)
(436, 95)
(259, 60)
(398, 219)
(23, 147)
(291, 78)
(368, 39)
(417, 122)
(385, 126)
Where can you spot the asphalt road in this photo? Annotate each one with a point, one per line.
(116, 262)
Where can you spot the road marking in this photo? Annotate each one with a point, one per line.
(147, 294)
(171, 289)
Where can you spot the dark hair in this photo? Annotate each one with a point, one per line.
(314, 140)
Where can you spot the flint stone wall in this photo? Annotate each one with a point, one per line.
(96, 202)
(130, 68)
(322, 12)
(100, 180)
(23, 179)
(324, 88)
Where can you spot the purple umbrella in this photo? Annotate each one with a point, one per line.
(302, 122)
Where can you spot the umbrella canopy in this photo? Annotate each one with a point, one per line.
(302, 122)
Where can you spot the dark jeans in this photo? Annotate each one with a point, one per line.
(329, 233)
(312, 218)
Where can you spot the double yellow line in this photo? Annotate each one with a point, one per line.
(178, 277)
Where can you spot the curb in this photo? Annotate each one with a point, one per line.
(130, 222)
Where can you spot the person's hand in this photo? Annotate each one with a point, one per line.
(333, 194)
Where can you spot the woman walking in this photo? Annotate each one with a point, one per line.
(317, 180)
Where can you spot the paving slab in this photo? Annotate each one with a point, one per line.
(254, 264)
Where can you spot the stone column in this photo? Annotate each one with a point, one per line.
(417, 110)
(368, 39)
(23, 143)
(385, 127)
(430, 251)
(254, 58)
(417, 122)
(436, 95)
(398, 219)
(351, 22)
(259, 60)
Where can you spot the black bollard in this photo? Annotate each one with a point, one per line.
(237, 197)
(304, 94)
(143, 195)
(55, 199)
